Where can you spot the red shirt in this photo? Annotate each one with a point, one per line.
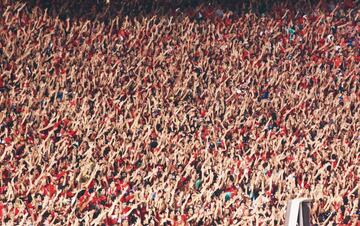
(110, 221)
(49, 189)
(125, 210)
(349, 3)
(1, 209)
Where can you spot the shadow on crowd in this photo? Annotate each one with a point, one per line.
(105, 10)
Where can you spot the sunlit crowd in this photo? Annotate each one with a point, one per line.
(171, 114)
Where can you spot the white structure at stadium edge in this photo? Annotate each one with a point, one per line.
(298, 212)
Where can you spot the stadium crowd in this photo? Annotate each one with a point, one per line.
(197, 115)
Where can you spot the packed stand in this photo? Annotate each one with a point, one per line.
(196, 115)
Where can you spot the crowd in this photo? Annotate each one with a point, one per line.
(197, 115)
